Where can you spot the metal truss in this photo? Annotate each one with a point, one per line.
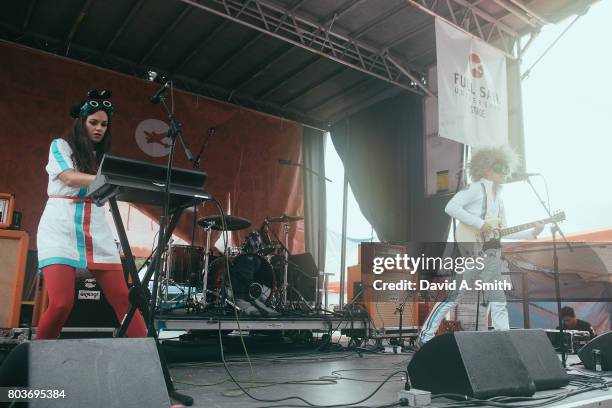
(133, 68)
(469, 18)
(321, 39)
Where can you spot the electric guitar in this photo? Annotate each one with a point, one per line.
(466, 234)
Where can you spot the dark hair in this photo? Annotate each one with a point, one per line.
(85, 154)
(567, 311)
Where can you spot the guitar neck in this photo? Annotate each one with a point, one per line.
(518, 228)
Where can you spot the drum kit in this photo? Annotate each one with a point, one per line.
(251, 278)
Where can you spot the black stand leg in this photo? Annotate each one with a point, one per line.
(139, 297)
(554, 230)
(477, 310)
(558, 296)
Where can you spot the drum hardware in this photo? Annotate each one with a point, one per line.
(258, 242)
(248, 286)
(301, 297)
(233, 251)
(217, 223)
(208, 228)
(285, 220)
(286, 266)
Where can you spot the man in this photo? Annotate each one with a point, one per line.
(568, 316)
(471, 206)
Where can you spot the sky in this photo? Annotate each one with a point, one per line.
(568, 134)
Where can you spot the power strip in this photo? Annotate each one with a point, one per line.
(414, 397)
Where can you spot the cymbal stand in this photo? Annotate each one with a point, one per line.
(285, 248)
(286, 263)
(162, 290)
(208, 229)
(166, 277)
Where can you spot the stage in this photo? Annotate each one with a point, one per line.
(203, 321)
(355, 376)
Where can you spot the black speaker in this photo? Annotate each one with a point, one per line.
(487, 364)
(302, 276)
(603, 343)
(90, 372)
(91, 309)
(539, 356)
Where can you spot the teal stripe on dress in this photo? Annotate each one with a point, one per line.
(60, 260)
(58, 156)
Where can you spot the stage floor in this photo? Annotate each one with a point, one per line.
(356, 376)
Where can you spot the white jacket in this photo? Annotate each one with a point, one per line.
(470, 207)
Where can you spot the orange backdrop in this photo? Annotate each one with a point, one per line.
(241, 158)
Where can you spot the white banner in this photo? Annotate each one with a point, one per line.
(472, 93)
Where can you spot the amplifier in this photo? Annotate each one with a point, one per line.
(382, 305)
(91, 309)
(13, 257)
(574, 339)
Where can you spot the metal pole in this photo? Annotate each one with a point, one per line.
(343, 246)
(326, 292)
(286, 263)
(206, 263)
(344, 219)
(526, 320)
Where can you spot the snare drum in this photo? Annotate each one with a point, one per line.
(258, 242)
(185, 265)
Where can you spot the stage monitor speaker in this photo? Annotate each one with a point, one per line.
(603, 343)
(487, 364)
(91, 372)
(539, 356)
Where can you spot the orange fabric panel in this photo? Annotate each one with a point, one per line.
(241, 158)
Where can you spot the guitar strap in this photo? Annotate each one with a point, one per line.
(483, 213)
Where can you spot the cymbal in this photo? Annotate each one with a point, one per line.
(285, 218)
(232, 222)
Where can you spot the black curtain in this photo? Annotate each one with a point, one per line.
(381, 148)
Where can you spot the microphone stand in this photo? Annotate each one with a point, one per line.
(554, 229)
(174, 132)
(207, 228)
(196, 161)
(291, 163)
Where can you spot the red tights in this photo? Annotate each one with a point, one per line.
(60, 280)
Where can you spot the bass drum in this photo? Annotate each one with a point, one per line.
(252, 277)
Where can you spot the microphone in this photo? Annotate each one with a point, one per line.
(157, 96)
(289, 162)
(523, 176)
(209, 132)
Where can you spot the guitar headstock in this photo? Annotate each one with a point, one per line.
(558, 216)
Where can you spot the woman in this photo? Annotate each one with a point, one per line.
(73, 232)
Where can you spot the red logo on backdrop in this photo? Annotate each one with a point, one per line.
(477, 69)
(151, 137)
